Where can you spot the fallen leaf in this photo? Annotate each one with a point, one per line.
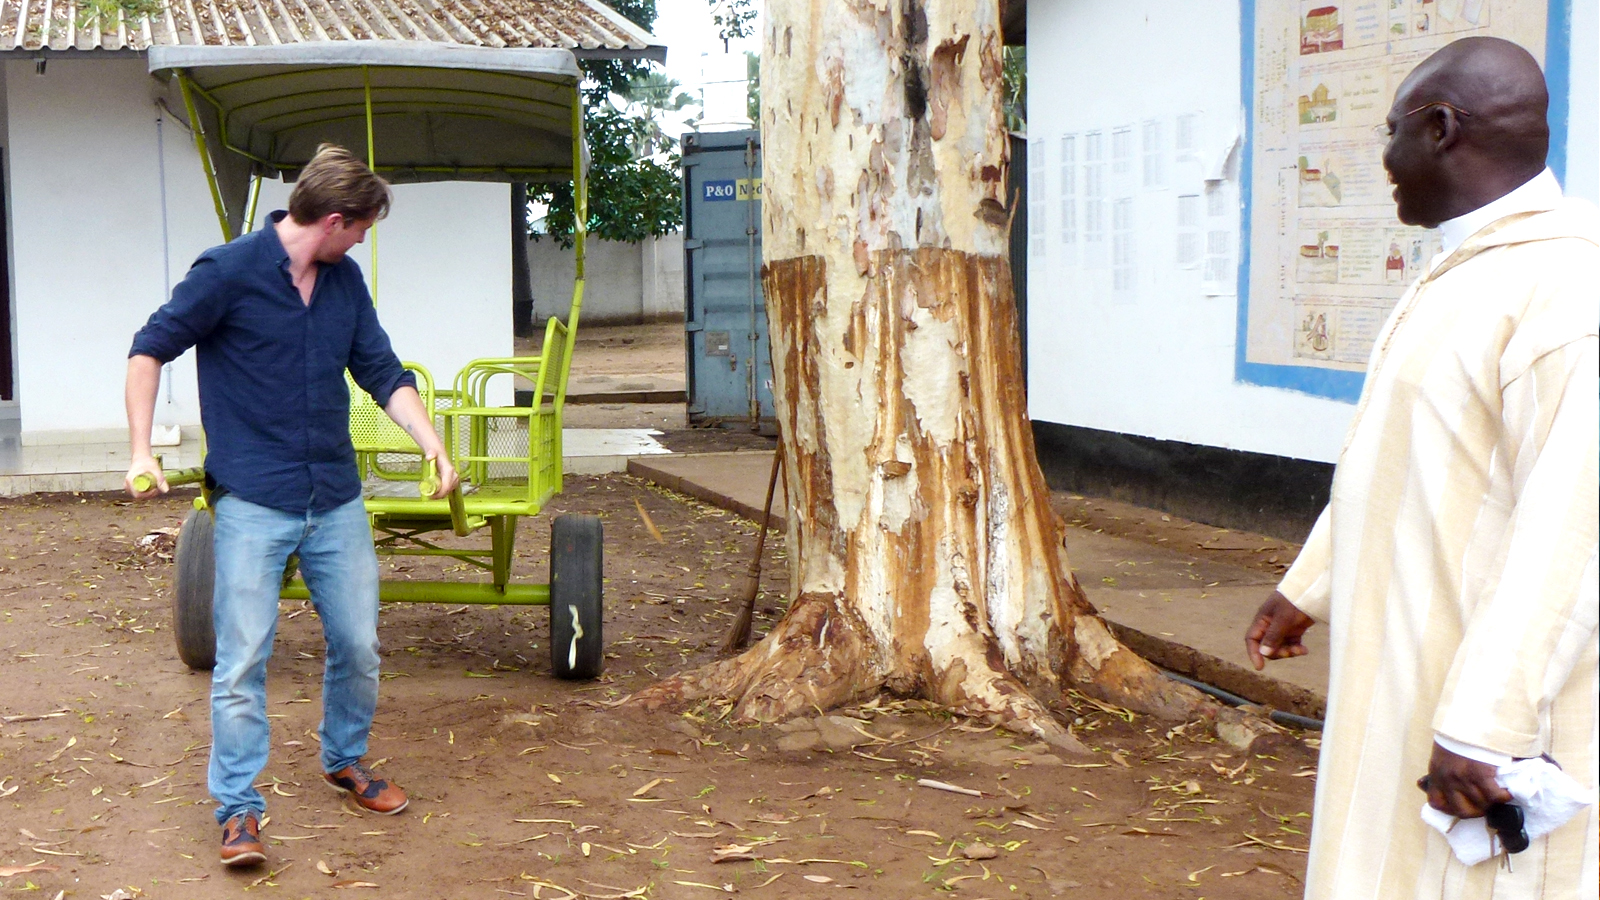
(323, 868)
(944, 786)
(733, 853)
(8, 871)
(648, 787)
(354, 884)
(819, 879)
(649, 525)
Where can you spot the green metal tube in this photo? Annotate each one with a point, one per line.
(372, 163)
(199, 132)
(255, 198)
(144, 481)
(444, 592)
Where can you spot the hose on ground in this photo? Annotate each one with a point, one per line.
(1278, 716)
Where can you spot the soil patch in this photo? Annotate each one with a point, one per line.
(525, 786)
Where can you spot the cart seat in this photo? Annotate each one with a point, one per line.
(383, 449)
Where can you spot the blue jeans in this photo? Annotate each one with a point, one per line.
(339, 565)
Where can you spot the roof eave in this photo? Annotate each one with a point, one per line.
(654, 53)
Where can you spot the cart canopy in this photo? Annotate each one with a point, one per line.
(437, 111)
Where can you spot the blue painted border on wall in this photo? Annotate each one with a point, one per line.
(1330, 383)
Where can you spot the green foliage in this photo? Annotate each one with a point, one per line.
(654, 93)
(1014, 83)
(752, 87)
(104, 12)
(733, 18)
(631, 197)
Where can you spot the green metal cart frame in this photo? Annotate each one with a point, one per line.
(438, 112)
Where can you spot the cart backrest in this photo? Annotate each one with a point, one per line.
(552, 381)
(371, 429)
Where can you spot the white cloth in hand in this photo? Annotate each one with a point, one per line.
(1547, 795)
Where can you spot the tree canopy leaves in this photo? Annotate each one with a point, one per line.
(631, 196)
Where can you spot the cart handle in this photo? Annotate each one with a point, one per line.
(458, 508)
(144, 481)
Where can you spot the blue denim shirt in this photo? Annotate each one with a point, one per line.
(272, 391)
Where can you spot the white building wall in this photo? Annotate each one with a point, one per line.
(86, 235)
(623, 283)
(1156, 358)
(1583, 128)
(88, 245)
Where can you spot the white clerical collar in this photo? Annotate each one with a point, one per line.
(1541, 192)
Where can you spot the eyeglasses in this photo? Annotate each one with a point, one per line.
(1385, 132)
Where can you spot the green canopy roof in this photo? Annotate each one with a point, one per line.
(439, 111)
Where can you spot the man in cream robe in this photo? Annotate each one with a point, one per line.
(1455, 564)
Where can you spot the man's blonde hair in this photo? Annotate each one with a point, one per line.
(337, 181)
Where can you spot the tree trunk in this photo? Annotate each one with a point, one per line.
(924, 556)
(521, 276)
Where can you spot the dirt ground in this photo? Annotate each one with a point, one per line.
(525, 786)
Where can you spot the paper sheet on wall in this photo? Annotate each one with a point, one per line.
(1328, 258)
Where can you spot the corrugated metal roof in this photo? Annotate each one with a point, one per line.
(586, 27)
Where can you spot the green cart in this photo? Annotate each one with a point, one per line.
(425, 112)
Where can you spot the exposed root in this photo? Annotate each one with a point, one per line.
(971, 685)
(812, 660)
(1106, 670)
(817, 659)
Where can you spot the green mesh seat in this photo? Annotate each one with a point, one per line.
(383, 449)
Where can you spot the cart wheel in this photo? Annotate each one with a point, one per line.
(191, 596)
(576, 645)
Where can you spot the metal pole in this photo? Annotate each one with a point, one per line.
(752, 360)
(250, 208)
(372, 163)
(198, 129)
(580, 219)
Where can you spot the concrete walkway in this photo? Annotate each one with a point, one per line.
(55, 467)
(1177, 605)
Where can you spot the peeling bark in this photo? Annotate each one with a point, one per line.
(924, 556)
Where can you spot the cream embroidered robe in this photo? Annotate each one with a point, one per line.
(1455, 563)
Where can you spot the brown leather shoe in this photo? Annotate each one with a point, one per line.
(241, 841)
(369, 791)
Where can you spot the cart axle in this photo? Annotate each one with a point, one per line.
(444, 592)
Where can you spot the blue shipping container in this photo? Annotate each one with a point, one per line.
(729, 366)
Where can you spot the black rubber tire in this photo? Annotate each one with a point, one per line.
(194, 567)
(577, 643)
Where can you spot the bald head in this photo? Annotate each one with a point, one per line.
(1501, 85)
(1469, 126)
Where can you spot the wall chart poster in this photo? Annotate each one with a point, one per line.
(1326, 259)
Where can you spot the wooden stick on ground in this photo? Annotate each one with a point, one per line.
(739, 634)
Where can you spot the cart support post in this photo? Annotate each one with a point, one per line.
(197, 128)
(580, 232)
(372, 163)
(250, 210)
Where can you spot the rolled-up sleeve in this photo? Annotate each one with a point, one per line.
(198, 303)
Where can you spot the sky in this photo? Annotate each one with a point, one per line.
(697, 61)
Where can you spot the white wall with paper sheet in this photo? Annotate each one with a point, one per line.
(1148, 217)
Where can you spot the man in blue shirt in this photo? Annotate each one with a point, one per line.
(276, 318)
